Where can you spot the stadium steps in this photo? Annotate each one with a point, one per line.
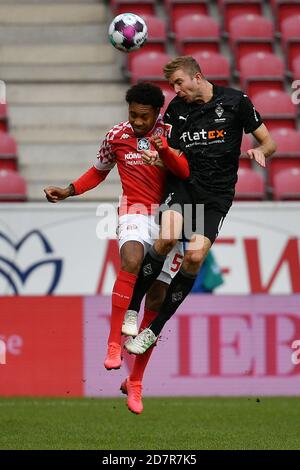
(64, 88)
(41, 97)
(51, 13)
(56, 54)
(53, 34)
(56, 93)
(101, 73)
(57, 135)
(67, 115)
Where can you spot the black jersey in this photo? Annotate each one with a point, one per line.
(210, 135)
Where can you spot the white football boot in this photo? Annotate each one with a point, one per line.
(141, 342)
(129, 327)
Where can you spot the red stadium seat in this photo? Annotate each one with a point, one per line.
(287, 154)
(175, 9)
(157, 37)
(139, 7)
(247, 143)
(250, 33)
(12, 187)
(229, 9)
(283, 9)
(195, 33)
(148, 67)
(296, 68)
(214, 66)
(8, 152)
(169, 95)
(261, 71)
(290, 38)
(276, 109)
(3, 117)
(287, 184)
(250, 185)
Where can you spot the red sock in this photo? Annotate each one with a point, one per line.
(121, 297)
(141, 361)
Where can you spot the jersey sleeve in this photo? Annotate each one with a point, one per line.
(106, 159)
(170, 118)
(248, 115)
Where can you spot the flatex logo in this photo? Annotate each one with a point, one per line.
(143, 144)
(203, 135)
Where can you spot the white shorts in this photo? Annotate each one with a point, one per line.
(144, 229)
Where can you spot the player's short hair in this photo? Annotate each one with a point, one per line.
(146, 93)
(185, 62)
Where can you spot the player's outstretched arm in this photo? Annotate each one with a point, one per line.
(89, 180)
(55, 194)
(266, 148)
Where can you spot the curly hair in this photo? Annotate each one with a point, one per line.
(145, 93)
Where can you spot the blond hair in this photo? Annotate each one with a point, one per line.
(186, 63)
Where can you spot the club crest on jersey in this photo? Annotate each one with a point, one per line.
(143, 144)
(219, 110)
(159, 131)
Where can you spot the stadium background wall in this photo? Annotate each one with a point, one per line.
(55, 249)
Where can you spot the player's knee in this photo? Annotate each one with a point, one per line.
(131, 265)
(194, 259)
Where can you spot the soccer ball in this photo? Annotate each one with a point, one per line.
(127, 32)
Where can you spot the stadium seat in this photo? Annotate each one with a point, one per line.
(8, 152)
(195, 33)
(261, 71)
(12, 187)
(139, 7)
(175, 9)
(290, 39)
(296, 68)
(250, 33)
(247, 143)
(214, 66)
(157, 38)
(169, 95)
(287, 184)
(229, 9)
(276, 109)
(283, 9)
(3, 117)
(287, 154)
(250, 185)
(148, 67)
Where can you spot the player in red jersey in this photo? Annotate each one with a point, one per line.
(142, 187)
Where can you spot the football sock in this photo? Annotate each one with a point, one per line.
(121, 296)
(141, 360)
(150, 269)
(179, 288)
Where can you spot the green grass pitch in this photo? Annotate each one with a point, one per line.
(166, 423)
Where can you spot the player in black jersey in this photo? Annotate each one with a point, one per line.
(207, 122)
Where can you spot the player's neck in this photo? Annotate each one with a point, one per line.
(205, 93)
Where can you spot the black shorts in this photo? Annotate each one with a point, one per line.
(203, 212)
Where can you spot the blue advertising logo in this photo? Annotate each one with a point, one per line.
(39, 254)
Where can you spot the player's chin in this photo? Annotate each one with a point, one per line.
(139, 132)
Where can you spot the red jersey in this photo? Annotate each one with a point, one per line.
(142, 184)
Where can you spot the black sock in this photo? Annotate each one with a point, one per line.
(179, 288)
(150, 270)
